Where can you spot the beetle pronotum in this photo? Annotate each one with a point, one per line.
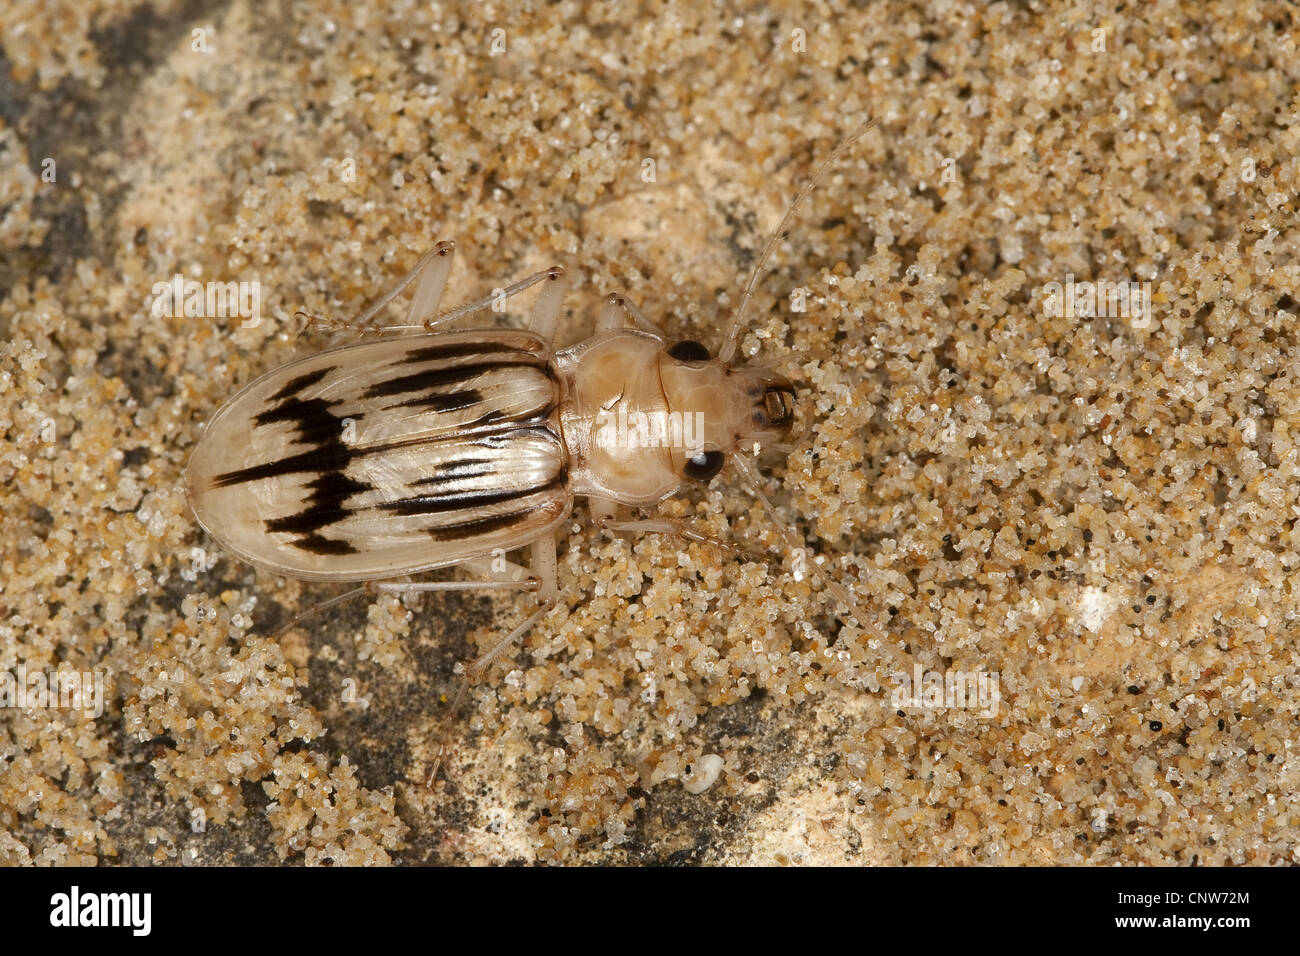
(428, 449)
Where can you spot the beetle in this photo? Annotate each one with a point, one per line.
(426, 448)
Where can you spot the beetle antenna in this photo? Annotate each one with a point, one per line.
(728, 350)
(752, 480)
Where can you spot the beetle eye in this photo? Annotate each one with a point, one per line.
(689, 351)
(704, 465)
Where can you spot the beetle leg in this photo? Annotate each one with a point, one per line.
(620, 312)
(544, 579)
(682, 529)
(546, 569)
(488, 301)
(317, 608)
(411, 587)
(675, 526)
(642, 319)
(431, 271)
(432, 283)
(497, 567)
(546, 310)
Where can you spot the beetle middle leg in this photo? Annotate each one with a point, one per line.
(620, 312)
(542, 576)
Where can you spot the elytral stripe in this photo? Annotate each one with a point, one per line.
(451, 355)
(476, 527)
(316, 544)
(316, 426)
(454, 350)
(440, 504)
(296, 385)
(324, 505)
(465, 468)
(439, 382)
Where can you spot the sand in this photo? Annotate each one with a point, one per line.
(1091, 510)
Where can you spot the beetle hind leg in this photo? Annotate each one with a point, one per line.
(546, 310)
(432, 283)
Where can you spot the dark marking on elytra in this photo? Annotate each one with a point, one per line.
(498, 417)
(322, 459)
(312, 418)
(433, 353)
(485, 526)
(440, 504)
(433, 379)
(462, 470)
(446, 402)
(327, 456)
(480, 526)
(316, 426)
(325, 504)
(317, 544)
(301, 382)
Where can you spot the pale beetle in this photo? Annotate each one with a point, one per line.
(427, 448)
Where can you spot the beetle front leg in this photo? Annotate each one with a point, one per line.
(605, 515)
